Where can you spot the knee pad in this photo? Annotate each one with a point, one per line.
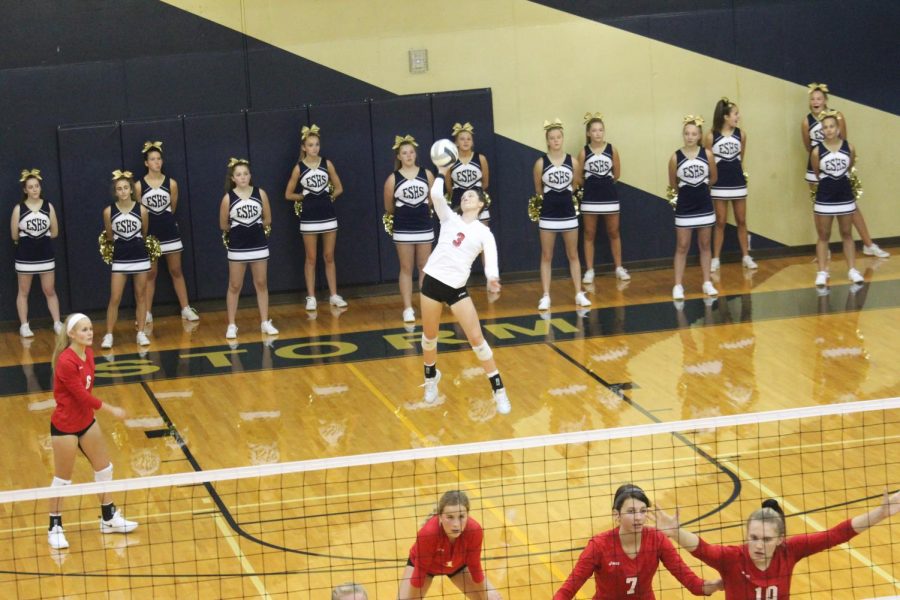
(104, 474)
(57, 482)
(429, 343)
(483, 352)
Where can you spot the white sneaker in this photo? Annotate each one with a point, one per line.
(544, 304)
(714, 264)
(431, 387)
(874, 250)
(588, 276)
(142, 339)
(502, 401)
(409, 315)
(338, 301)
(267, 328)
(855, 276)
(821, 278)
(107, 342)
(622, 274)
(709, 289)
(678, 292)
(57, 327)
(749, 263)
(311, 303)
(231, 332)
(25, 330)
(149, 318)
(189, 313)
(581, 299)
(56, 537)
(118, 524)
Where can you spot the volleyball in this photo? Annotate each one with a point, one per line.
(444, 153)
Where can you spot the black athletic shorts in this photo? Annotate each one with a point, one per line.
(55, 431)
(437, 290)
(409, 563)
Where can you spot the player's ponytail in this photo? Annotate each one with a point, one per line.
(771, 512)
(61, 343)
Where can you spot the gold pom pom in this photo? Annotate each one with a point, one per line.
(267, 229)
(534, 207)
(387, 220)
(106, 248)
(154, 249)
(813, 191)
(672, 196)
(487, 200)
(577, 197)
(298, 207)
(330, 189)
(856, 184)
(225, 236)
(746, 177)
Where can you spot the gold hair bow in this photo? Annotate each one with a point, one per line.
(589, 116)
(457, 128)
(148, 145)
(117, 174)
(26, 174)
(308, 131)
(822, 87)
(727, 101)
(693, 120)
(828, 112)
(406, 139)
(233, 162)
(554, 124)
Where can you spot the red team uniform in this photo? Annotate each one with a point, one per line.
(434, 553)
(743, 581)
(617, 575)
(73, 382)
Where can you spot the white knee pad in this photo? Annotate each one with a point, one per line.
(104, 474)
(483, 352)
(57, 482)
(429, 343)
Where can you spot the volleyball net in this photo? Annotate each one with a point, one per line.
(298, 530)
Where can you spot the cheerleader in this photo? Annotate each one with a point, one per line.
(33, 225)
(832, 160)
(73, 426)
(448, 544)
(126, 224)
(406, 198)
(761, 568)
(728, 144)
(244, 215)
(556, 174)
(470, 171)
(692, 170)
(812, 134)
(463, 238)
(624, 560)
(314, 174)
(601, 172)
(159, 194)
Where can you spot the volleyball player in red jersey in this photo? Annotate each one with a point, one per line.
(761, 568)
(73, 427)
(624, 560)
(448, 544)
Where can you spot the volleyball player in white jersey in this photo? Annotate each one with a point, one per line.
(728, 143)
(831, 161)
(159, 193)
(601, 172)
(463, 237)
(33, 226)
(812, 134)
(556, 174)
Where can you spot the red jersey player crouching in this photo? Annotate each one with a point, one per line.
(761, 568)
(448, 544)
(72, 425)
(624, 560)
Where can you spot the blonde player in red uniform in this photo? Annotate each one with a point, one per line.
(761, 568)
(624, 560)
(73, 427)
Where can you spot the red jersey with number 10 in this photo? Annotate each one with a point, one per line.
(73, 382)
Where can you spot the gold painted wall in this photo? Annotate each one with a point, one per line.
(541, 63)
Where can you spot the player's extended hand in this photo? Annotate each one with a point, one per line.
(116, 411)
(711, 587)
(443, 170)
(494, 595)
(668, 524)
(891, 503)
(494, 286)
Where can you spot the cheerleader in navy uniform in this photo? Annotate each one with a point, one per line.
(244, 214)
(692, 170)
(555, 176)
(601, 172)
(728, 143)
(812, 134)
(470, 171)
(159, 194)
(406, 197)
(314, 174)
(126, 223)
(33, 225)
(831, 161)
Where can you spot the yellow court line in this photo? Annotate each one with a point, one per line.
(245, 564)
